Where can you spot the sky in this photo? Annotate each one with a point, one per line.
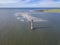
(29, 3)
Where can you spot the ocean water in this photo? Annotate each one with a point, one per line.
(15, 30)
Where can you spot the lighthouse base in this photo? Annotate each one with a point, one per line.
(32, 28)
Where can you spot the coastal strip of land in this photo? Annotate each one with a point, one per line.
(52, 10)
(48, 10)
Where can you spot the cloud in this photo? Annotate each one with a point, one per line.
(29, 3)
(8, 1)
(46, 4)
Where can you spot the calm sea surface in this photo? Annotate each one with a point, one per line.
(15, 32)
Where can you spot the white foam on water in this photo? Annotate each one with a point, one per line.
(22, 20)
(25, 15)
(18, 18)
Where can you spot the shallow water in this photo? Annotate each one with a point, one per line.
(16, 32)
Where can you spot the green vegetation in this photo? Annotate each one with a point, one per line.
(52, 10)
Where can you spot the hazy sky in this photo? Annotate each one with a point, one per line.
(29, 3)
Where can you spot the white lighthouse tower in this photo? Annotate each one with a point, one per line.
(32, 25)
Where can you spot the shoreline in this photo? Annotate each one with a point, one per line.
(48, 10)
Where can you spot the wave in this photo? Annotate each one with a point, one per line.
(27, 17)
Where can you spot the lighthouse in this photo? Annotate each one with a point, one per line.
(32, 25)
